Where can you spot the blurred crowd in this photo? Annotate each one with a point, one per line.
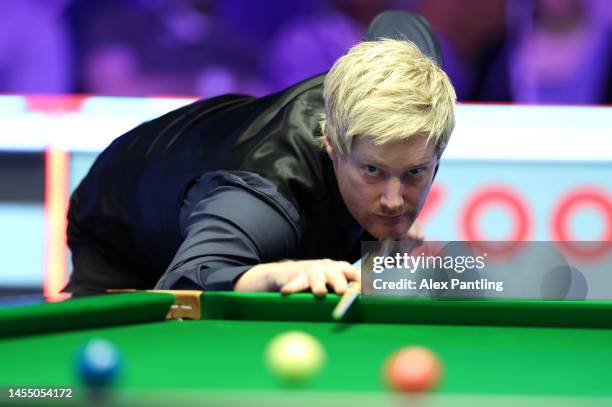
(527, 51)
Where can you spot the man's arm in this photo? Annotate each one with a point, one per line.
(237, 227)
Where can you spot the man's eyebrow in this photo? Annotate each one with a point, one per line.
(372, 160)
(426, 162)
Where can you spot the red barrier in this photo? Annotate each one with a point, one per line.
(567, 207)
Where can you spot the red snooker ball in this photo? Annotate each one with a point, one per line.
(413, 369)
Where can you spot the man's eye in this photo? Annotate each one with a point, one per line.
(371, 170)
(416, 171)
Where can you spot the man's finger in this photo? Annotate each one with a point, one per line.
(351, 273)
(415, 232)
(337, 280)
(299, 283)
(317, 279)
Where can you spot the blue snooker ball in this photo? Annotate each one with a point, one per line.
(98, 363)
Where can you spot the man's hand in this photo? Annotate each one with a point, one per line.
(295, 276)
(317, 275)
(415, 233)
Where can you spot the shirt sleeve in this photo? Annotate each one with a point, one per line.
(230, 221)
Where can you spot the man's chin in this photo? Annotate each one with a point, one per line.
(395, 233)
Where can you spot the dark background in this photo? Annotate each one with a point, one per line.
(527, 51)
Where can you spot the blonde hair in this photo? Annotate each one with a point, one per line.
(387, 90)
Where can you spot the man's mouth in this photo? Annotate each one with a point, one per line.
(395, 218)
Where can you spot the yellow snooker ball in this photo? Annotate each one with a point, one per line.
(295, 356)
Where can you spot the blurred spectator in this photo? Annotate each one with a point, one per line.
(153, 47)
(257, 21)
(35, 55)
(363, 11)
(308, 45)
(557, 51)
(471, 32)
(291, 40)
(309, 42)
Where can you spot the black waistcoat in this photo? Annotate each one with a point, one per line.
(131, 198)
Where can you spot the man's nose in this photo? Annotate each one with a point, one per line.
(392, 199)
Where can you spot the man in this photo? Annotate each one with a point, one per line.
(276, 193)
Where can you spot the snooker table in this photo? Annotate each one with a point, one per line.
(494, 352)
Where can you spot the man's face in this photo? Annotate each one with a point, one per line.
(384, 186)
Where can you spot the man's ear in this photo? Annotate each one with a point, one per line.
(328, 146)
